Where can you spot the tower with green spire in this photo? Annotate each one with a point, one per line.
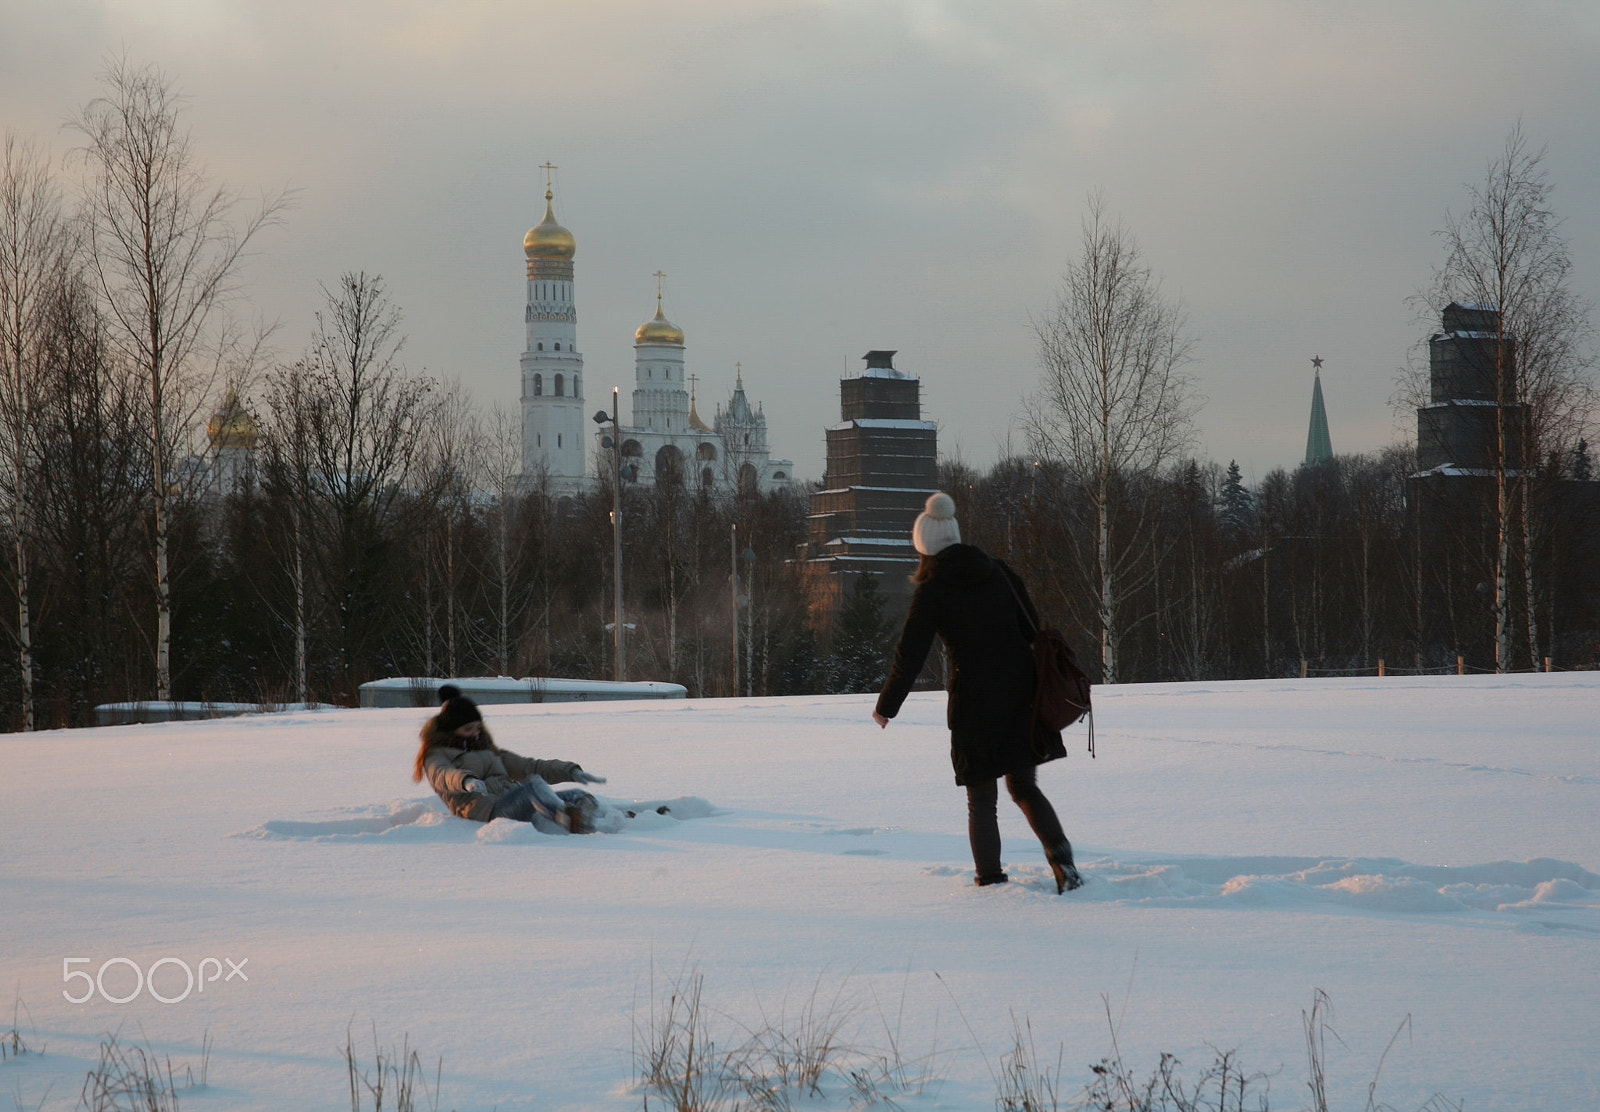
(1318, 446)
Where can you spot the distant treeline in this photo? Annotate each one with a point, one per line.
(1318, 565)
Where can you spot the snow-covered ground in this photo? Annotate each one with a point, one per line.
(1414, 847)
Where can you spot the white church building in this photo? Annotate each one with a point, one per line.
(667, 440)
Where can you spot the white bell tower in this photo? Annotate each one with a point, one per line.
(554, 426)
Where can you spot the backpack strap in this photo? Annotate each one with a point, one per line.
(1006, 574)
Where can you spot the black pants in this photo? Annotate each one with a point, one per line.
(983, 821)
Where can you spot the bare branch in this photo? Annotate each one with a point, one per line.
(1114, 408)
(165, 252)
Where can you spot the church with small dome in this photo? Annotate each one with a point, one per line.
(229, 464)
(666, 441)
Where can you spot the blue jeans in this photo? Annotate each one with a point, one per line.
(519, 803)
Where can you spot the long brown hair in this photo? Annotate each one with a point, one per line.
(433, 737)
(924, 572)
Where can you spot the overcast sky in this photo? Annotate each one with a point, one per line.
(823, 177)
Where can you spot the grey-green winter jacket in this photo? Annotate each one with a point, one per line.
(449, 768)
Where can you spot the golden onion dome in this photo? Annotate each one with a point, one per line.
(232, 426)
(697, 422)
(658, 330)
(549, 240)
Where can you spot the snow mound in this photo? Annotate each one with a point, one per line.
(1542, 886)
(426, 820)
(397, 820)
(616, 815)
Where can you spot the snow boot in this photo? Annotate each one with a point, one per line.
(1066, 873)
(579, 811)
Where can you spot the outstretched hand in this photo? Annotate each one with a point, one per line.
(883, 723)
(581, 777)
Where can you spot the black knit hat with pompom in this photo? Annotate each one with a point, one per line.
(457, 709)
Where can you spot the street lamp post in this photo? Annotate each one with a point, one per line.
(733, 599)
(746, 600)
(614, 441)
(748, 558)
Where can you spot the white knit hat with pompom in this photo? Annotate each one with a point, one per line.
(936, 528)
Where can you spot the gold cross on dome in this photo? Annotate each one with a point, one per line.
(658, 275)
(692, 380)
(548, 169)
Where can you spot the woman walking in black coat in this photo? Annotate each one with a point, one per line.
(981, 611)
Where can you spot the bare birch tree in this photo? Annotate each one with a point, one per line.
(343, 436)
(448, 465)
(1114, 408)
(34, 260)
(502, 461)
(165, 251)
(293, 479)
(1507, 252)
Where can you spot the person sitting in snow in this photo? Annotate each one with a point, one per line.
(480, 781)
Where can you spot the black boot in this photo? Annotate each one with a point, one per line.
(1060, 858)
(983, 880)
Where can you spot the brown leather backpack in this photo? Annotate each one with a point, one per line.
(1061, 686)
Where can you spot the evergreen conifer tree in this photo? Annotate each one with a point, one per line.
(860, 639)
(797, 673)
(1237, 505)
